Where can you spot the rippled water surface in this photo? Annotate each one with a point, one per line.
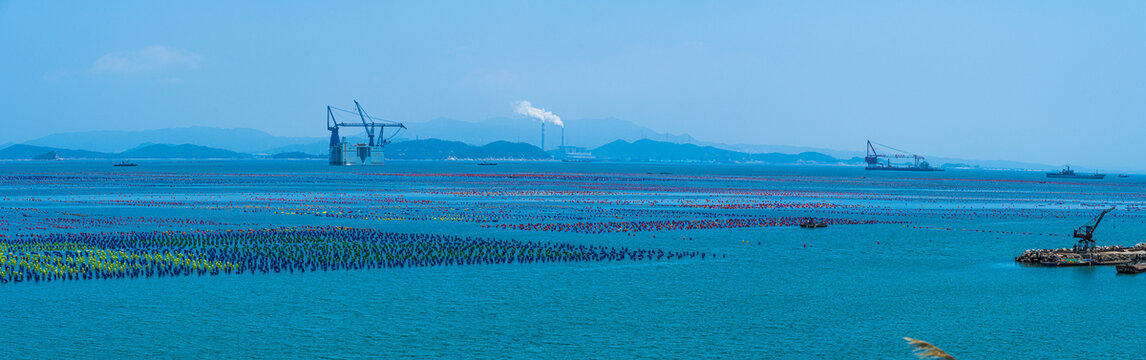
(925, 255)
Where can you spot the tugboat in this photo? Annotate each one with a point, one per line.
(1069, 174)
(126, 163)
(1132, 268)
(811, 223)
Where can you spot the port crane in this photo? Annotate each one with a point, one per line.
(873, 157)
(1085, 233)
(368, 122)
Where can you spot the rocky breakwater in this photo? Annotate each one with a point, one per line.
(1101, 255)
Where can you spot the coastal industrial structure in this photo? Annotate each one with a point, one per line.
(343, 152)
(874, 163)
(1085, 252)
(568, 153)
(575, 154)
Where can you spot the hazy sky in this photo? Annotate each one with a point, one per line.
(1045, 81)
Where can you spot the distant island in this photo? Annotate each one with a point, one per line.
(51, 155)
(297, 155)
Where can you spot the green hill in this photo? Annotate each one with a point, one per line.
(435, 149)
(801, 158)
(508, 150)
(185, 151)
(650, 150)
(296, 155)
(27, 152)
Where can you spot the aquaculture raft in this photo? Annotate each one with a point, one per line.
(130, 255)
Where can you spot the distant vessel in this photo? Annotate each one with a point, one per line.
(487, 163)
(126, 163)
(1123, 175)
(812, 224)
(1069, 174)
(873, 162)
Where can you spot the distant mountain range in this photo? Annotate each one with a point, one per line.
(240, 140)
(598, 134)
(589, 133)
(649, 150)
(435, 149)
(153, 151)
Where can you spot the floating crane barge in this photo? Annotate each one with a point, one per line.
(371, 153)
(874, 163)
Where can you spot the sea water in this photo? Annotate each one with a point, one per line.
(934, 261)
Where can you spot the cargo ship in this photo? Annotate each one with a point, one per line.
(874, 163)
(1070, 174)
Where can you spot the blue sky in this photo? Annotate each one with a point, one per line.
(1043, 81)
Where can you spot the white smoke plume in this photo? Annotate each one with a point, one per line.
(526, 108)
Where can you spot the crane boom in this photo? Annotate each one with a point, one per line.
(368, 122)
(1085, 233)
(369, 127)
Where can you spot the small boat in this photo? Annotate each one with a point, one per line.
(126, 163)
(1069, 174)
(1133, 268)
(812, 224)
(1068, 262)
(487, 163)
(1123, 175)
